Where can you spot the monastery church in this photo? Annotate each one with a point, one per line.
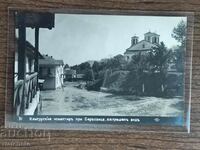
(150, 40)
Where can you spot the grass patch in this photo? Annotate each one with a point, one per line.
(125, 97)
(48, 99)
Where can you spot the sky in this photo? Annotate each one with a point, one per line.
(78, 38)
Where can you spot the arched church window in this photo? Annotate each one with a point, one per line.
(148, 38)
(154, 40)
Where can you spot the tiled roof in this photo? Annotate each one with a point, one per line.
(50, 61)
(30, 49)
(151, 33)
(140, 46)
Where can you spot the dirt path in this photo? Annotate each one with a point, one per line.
(74, 101)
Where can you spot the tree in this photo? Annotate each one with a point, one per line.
(81, 67)
(137, 66)
(66, 66)
(88, 75)
(115, 63)
(96, 69)
(179, 58)
(138, 63)
(75, 67)
(179, 34)
(118, 61)
(159, 58)
(84, 66)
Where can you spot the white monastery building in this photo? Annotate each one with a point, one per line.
(150, 40)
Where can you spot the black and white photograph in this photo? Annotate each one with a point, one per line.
(99, 65)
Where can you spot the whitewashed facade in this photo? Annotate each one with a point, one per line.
(52, 72)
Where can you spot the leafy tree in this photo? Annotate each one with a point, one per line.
(138, 63)
(84, 66)
(137, 66)
(179, 34)
(81, 67)
(96, 68)
(66, 66)
(75, 67)
(179, 58)
(159, 58)
(115, 63)
(118, 61)
(88, 75)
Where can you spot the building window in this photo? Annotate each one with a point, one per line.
(148, 38)
(143, 45)
(154, 40)
(127, 57)
(49, 72)
(40, 71)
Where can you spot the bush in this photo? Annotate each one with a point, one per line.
(94, 85)
(115, 80)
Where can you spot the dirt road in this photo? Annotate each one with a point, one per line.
(74, 101)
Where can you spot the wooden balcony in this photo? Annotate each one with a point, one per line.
(26, 96)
